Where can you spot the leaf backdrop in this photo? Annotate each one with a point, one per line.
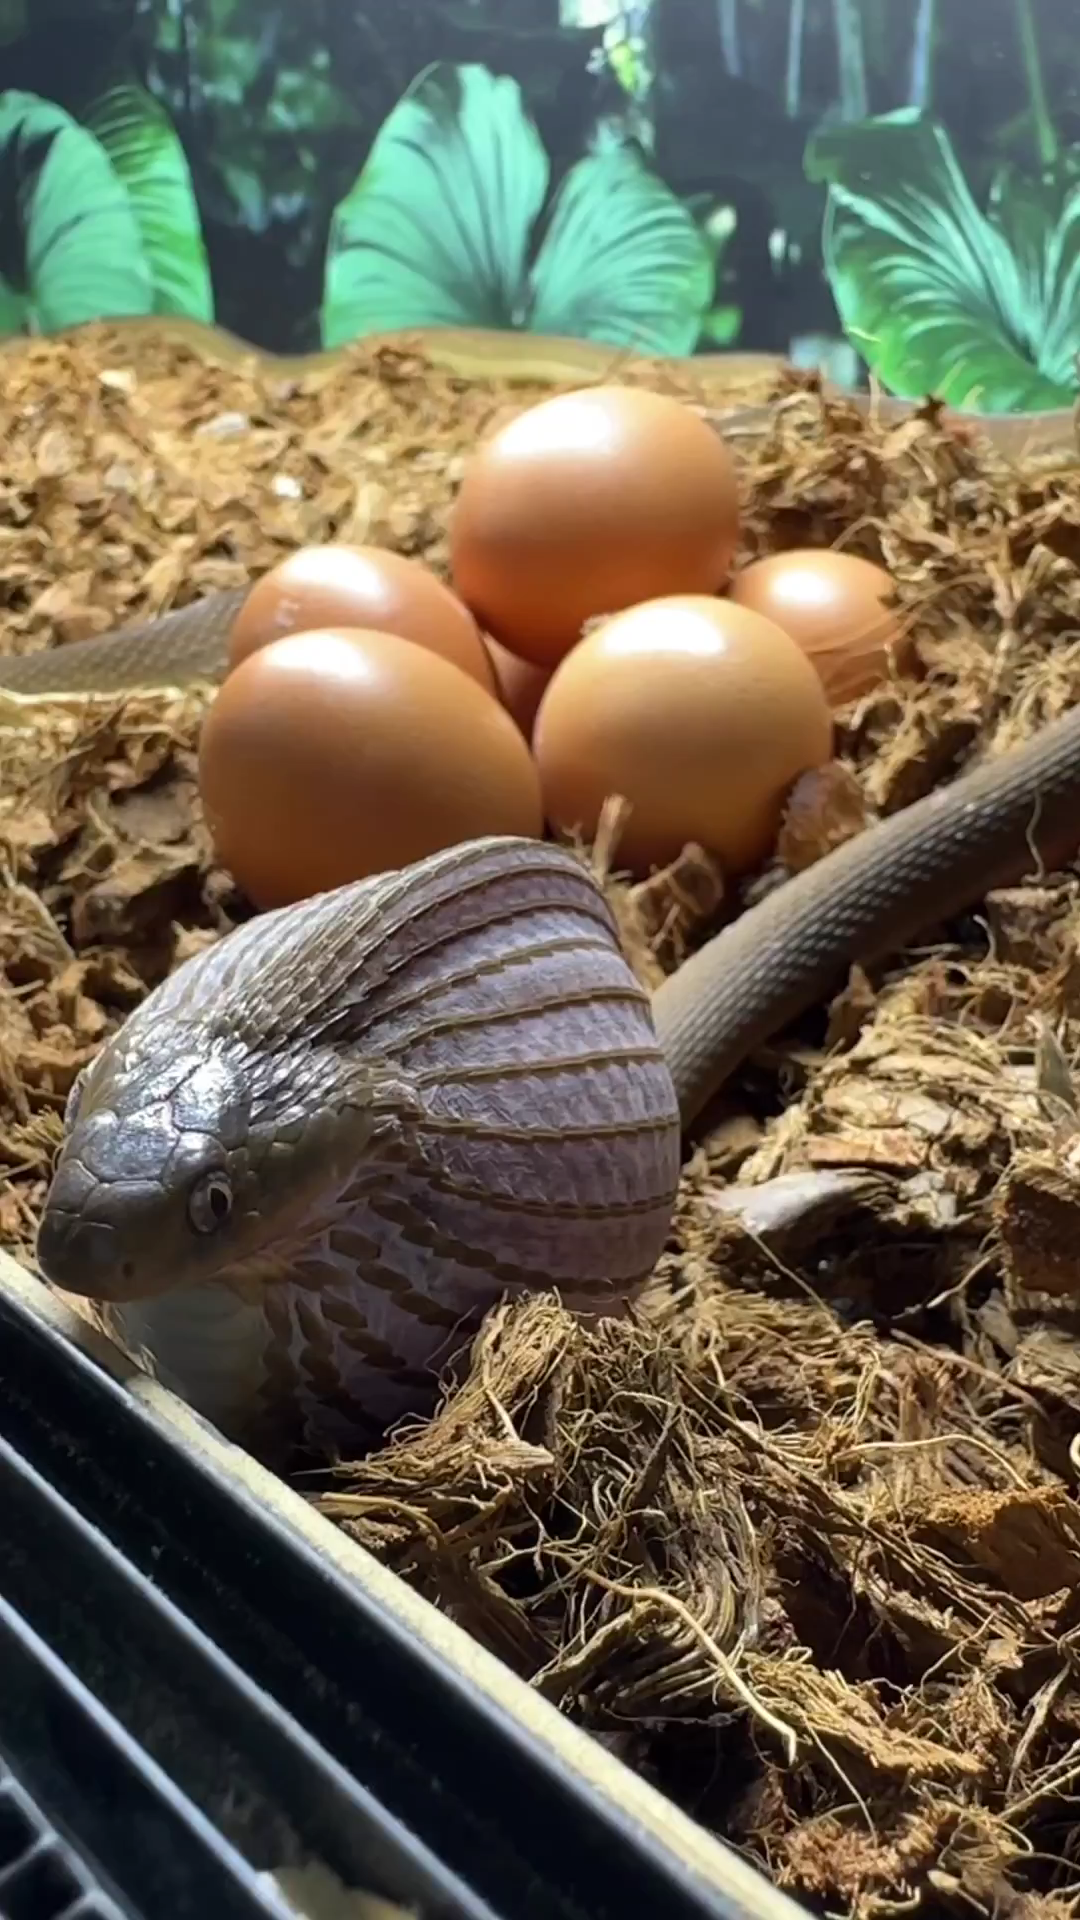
(449, 224)
(105, 214)
(981, 309)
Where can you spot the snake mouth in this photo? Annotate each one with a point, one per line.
(83, 1257)
(82, 1251)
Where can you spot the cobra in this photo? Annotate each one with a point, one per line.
(308, 1163)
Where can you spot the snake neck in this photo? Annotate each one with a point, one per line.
(322, 1340)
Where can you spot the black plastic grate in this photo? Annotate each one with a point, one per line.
(181, 1777)
(271, 1699)
(41, 1876)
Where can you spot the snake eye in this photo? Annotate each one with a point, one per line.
(210, 1203)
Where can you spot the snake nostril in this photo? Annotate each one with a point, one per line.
(79, 1255)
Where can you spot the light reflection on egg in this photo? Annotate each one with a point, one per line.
(371, 587)
(330, 756)
(588, 503)
(698, 712)
(835, 606)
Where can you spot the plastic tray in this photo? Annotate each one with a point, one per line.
(203, 1684)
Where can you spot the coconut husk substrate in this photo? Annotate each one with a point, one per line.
(800, 1538)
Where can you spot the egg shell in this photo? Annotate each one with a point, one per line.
(330, 756)
(584, 505)
(833, 604)
(343, 586)
(519, 684)
(701, 714)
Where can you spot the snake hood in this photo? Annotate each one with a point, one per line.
(193, 1144)
(467, 1030)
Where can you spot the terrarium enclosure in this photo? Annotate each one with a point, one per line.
(798, 1542)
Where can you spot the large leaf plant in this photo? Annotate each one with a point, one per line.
(450, 224)
(142, 144)
(100, 218)
(979, 308)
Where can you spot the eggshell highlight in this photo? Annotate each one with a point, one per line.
(369, 587)
(834, 605)
(330, 756)
(586, 504)
(699, 713)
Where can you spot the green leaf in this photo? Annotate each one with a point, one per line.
(440, 229)
(435, 231)
(14, 310)
(82, 256)
(981, 310)
(622, 260)
(146, 153)
(1040, 223)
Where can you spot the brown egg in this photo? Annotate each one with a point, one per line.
(585, 504)
(339, 586)
(699, 713)
(519, 684)
(329, 756)
(833, 604)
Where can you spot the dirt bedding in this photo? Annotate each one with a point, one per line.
(802, 1539)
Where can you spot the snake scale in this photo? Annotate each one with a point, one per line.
(307, 1164)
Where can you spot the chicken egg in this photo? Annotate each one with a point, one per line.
(342, 586)
(586, 504)
(329, 756)
(699, 713)
(519, 684)
(834, 605)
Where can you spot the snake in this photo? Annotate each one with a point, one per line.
(305, 1167)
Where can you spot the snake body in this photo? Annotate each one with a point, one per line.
(176, 649)
(314, 1156)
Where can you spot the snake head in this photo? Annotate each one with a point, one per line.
(174, 1142)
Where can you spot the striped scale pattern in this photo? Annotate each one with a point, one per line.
(428, 1091)
(189, 644)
